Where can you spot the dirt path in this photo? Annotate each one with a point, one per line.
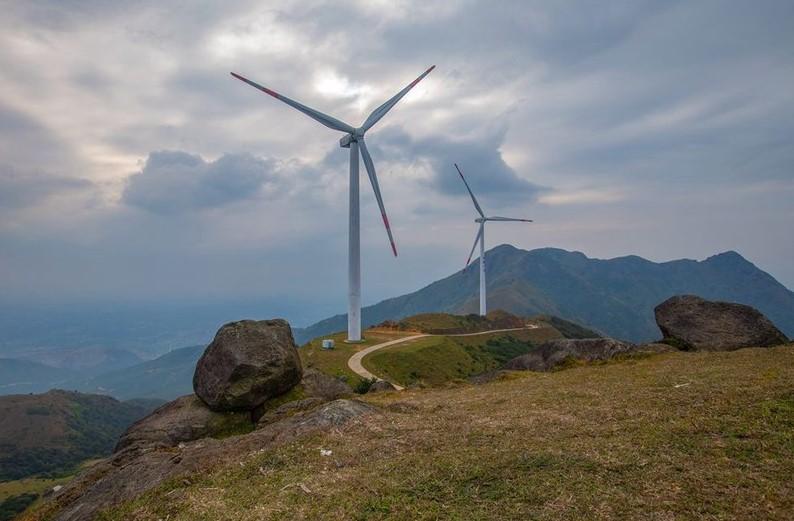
(354, 363)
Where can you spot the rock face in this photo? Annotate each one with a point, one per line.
(185, 419)
(692, 323)
(247, 363)
(556, 352)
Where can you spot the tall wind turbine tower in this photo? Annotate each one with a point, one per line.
(354, 140)
(480, 237)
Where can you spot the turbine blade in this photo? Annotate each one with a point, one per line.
(508, 219)
(386, 107)
(373, 178)
(325, 119)
(476, 239)
(473, 199)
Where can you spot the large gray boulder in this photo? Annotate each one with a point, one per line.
(692, 323)
(185, 419)
(246, 364)
(554, 353)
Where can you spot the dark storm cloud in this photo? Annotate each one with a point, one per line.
(173, 181)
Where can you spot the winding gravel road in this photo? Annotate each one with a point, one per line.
(354, 363)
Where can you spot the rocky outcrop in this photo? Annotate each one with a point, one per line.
(128, 473)
(185, 419)
(555, 353)
(246, 364)
(689, 322)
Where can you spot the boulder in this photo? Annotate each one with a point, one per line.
(185, 419)
(692, 323)
(380, 386)
(246, 364)
(554, 353)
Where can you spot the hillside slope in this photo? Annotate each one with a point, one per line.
(686, 436)
(51, 433)
(614, 296)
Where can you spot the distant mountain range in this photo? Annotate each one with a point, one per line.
(51, 433)
(614, 296)
(165, 377)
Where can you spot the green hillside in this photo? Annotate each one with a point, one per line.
(50, 434)
(614, 296)
(436, 360)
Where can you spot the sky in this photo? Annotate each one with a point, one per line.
(134, 168)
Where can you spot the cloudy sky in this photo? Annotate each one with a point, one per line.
(133, 167)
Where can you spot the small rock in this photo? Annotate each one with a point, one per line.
(320, 385)
(381, 386)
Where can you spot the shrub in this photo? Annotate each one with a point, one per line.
(363, 386)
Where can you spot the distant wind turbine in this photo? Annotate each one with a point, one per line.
(482, 219)
(354, 140)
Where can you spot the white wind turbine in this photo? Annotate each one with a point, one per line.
(354, 140)
(482, 219)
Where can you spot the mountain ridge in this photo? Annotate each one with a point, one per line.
(614, 296)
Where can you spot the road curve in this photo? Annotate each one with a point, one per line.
(354, 362)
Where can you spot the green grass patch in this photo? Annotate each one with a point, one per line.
(334, 361)
(436, 360)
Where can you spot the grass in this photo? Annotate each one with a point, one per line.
(28, 485)
(436, 360)
(674, 436)
(334, 361)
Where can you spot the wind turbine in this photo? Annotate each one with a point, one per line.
(354, 140)
(482, 219)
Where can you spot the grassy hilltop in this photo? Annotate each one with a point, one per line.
(673, 436)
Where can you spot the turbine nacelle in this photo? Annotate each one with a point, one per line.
(345, 141)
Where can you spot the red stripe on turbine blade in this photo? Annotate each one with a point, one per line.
(256, 86)
(420, 78)
(386, 223)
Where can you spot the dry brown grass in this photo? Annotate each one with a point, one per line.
(674, 436)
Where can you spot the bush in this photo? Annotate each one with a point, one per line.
(363, 386)
(13, 505)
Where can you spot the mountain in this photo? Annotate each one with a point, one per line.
(81, 359)
(165, 377)
(24, 376)
(51, 433)
(614, 296)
